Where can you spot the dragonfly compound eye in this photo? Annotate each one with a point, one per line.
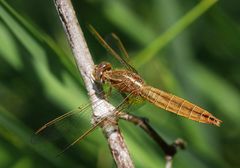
(105, 66)
(99, 71)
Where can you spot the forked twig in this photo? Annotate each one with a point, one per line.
(169, 150)
(86, 66)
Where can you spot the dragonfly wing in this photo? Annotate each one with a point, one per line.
(62, 126)
(66, 127)
(110, 50)
(121, 47)
(116, 112)
(76, 123)
(61, 117)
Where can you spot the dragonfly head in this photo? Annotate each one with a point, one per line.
(100, 69)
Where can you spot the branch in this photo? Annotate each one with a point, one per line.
(86, 66)
(169, 150)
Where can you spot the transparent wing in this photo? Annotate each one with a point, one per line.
(62, 130)
(123, 51)
(121, 47)
(71, 127)
(58, 119)
(116, 112)
(112, 51)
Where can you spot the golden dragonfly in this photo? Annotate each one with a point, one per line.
(128, 82)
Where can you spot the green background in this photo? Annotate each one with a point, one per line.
(189, 48)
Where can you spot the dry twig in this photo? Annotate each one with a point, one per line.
(85, 64)
(169, 150)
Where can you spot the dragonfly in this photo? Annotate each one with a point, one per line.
(134, 89)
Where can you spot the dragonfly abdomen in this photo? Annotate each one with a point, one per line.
(178, 105)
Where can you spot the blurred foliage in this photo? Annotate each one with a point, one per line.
(189, 48)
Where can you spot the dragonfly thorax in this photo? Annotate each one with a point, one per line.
(99, 71)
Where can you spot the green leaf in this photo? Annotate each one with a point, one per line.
(8, 48)
(154, 47)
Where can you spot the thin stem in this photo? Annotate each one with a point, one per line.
(169, 149)
(86, 66)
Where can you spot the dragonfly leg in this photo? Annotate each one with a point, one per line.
(109, 92)
(124, 95)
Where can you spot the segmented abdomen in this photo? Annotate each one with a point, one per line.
(178, 105)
